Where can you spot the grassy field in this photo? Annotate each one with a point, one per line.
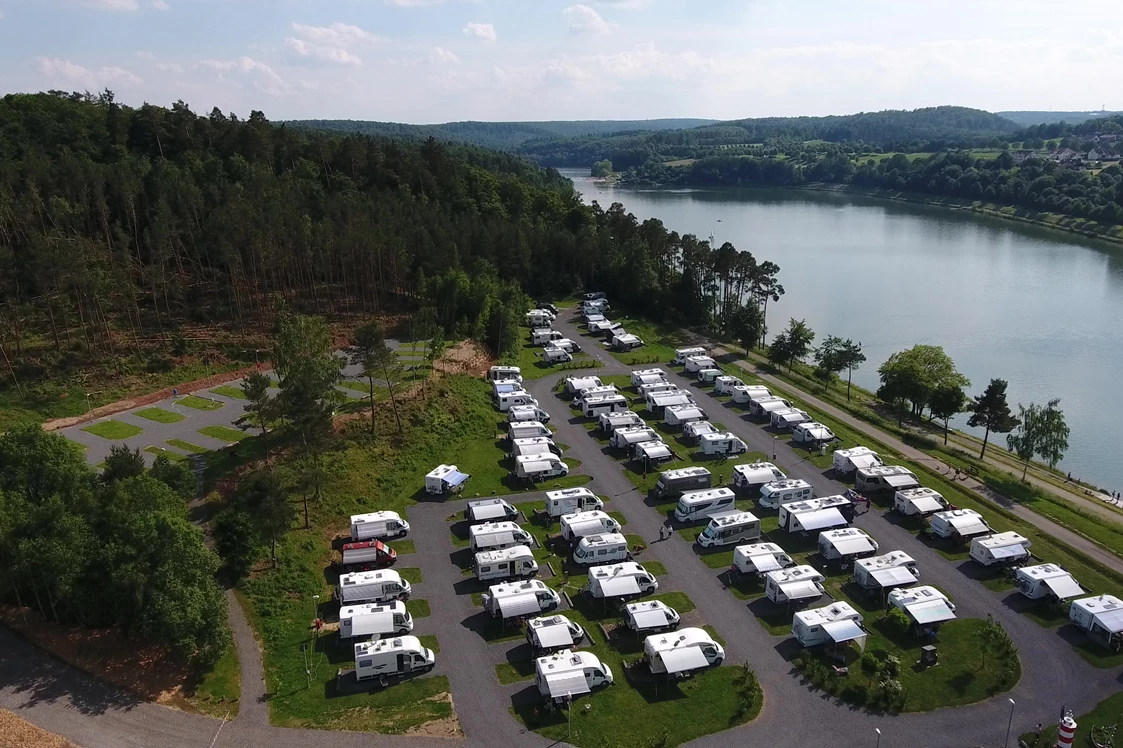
(113, 429)
(173, 456)
(217, 693)
(487, 461)
(194, 449)
(159, 415)
(198, 403)
(227, 390)
(659, 342)
(225, 433)
(530, 363)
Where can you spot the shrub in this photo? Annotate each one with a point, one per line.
(892, 666)
(855, 693)
(897, 622)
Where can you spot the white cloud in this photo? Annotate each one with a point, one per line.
(483, 31)
(321, 52)
(57, 69)
(584, 20)
(337, 34)
(260, 75)
(440, 54)
(160, 5)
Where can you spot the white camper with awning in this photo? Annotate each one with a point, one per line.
(752, 476)
(760, 558)
(445, 479)
(516, 562)
(1046, 580)
(492, 536)
(846, 545)
(535, 445)
(746, 392)
(647, 376)
(610, 422)
(547, 633)
(958, 524)
(695, 364)
(537, 468)
(848, 460)
(374, 620)
(926, 607)
(658, 401)
(1000, 548)
(762, 407)
(489, 510)
(878, 478)
(812, 432)
(1101, 617)
(724, 384)
(653, 451)
(776, 493)
(695, 430)
(919, 502)
(680, 415)
(729, 527)
(886, 572)
(815, 515)
(797, 584)
(573, 385)
(681, 354)
(649, 616)
(837, 623)
(682, 652)
(566, 674)
(582, 524)
(620, 580)
(626, 438)
(654, 388)
(519, 599)
(788, 418)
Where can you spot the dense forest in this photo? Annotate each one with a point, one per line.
(1029, 118)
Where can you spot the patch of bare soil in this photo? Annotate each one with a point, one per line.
(440, 728)
(16, 732)
(466, 357)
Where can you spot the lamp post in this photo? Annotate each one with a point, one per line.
(88, 402)
(878, 731)
(775, 441)
(1009, 724)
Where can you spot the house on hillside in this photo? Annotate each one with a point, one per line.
(1105, 137)
(1102, 153)
(1062, 155)
(1023, 155)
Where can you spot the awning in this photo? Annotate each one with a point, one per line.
(819, 434)
(800, 590)
(491, 511)
(1009, 551)
(930, 611)
(820, 519)
(683, 660)
(646, 619)
(557, 635)
(519, 605)
(765, 563)
(864, 461)
(619, 586)
(901, 481)
(588, 527)
(560, 685)
(495, 538)
(1111, 620)
(372, 623)
(893, 577)
(926, 504)
(1064, 587)
(455, 478)
(967, 526)
(854, 545)
(655, 450)
(844, 631)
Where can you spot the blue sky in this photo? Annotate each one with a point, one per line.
(441, 60)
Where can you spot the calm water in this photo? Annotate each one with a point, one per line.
(1035, 307)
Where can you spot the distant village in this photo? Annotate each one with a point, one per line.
(1101, 150)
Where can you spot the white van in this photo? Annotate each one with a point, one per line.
(566, 674)
(566, 345)
(544, 335)
(374, 619)
(647, 376)
(378, 525)
(775, 494)
(746, 392)
(681, 354)
(724, 384)
(653, 387)
(516, 562)
(625, 579)
(595, 407)
(673, 483)
(518, 599)
(583, 395)
(753, 476)
(729, 528)
(537, 468)
(552, 355)
(601, 549)
(538, 318)
(490, 510)
(534, 445)
(707, 376)
(697, 506)
(522, 413)
(695, 364)
(507, 399)
(372, 587)
(680, 415)
(504, 373)
(492, 536)
(583, 524)
(571, 500)
(722, 443)
(527, 430)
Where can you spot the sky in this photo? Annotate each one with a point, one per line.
(425, 61)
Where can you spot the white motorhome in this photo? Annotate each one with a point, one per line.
(522, 413)
(570, 500)
(647, 376)
(695, 364)
(378, 526)
(527, 430)
(374, 620)
(681, 354)
(846, 545)
(651, 388)
(788, 418)
(653, 451)
(926, 607)
(682, 652)
(536, 468)
(626, 342)
(724, 384)
(886, 572)
(796, 584)
(650, 616)
(814, 515)
(582, 524)
(728, 528)
(836, 623)
(812, 432)
(762, 407)
(680, 415)
(1046, 580)
(535, 445)
(493, 536)
(573, 385)
(695, 429)
(445, 479)
(518, 599)
(598, 323)
(919, 502)
(627, 437)
(372, 587)
(627, 579)
(707, 376)
(504, 387)
(547, 633)
(489, 510)
(1000, 548)
(601, 549)
(589, 393)
(398, 656)
(657, 401)
(877, 478)
(848, 460)
(958, 524)
(699, 506)
(538, 318)
(566, 345)
(760, 558)
(1101, 617)
(595, 407)
(515, 562)
(567, 674)
(553, 355)
(745, 393)
(367, 554)
(506, 400)
(504, 373)
(755, 475)
(722, 443)
(611, 421)
(775, 494)
(544, 335)
(674, 483)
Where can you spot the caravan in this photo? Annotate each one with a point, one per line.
(640, 377)
(493, 536)
(399, 656)
(708, 376)
(698, 506)
(958, 524)
(378, 526)
(724, 384)
(371, 587)
(918, 502)
(601, 549)
(553, 355)
(760, 558)
(506, 400)
(926, 607)
(681, 354)
(794, 585)
(627, 437)
(1001, 548)
(445, 479)
(652, 388)
(813, 433)
(836, 623)
(611, 421)
(595, 407)
(518, 599)
(1101, 617)
(516, 562)
(848, 460)
(775, 494)
(547, 633)
(653, 452)
(694, 430)
(727, 528)
(570, 500)
(623, 341)
(650, 615)
(504, 373)
(489, 510)
(695, 364)
(1046, 580)
(762, 407)
(681, 653)
(680, 415)
(673, 483)
(878, 478)
(522, 413)
(753, 476)
(845, 546)
(892, 570)
(537, 468)
(627, 579)
(788, 418)
(527, 430)
(544, 336)
(657, 401)
(813, 515)
(722, 443)
(745, 393)
(562, 676)
(374, 620)
(535, 445)
(582, 524)
(574, 385)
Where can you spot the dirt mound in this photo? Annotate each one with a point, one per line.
(466, 357)
(16, 732)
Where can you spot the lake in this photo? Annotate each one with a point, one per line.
(1039, 308)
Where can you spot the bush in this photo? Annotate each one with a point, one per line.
(855, 693)
(897, 622)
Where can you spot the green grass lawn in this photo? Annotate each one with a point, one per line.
(487, 461)
(217, 692)
(411, 574)
(513, 672)
(360, 387)
(1105, 714)
(198, 403)
(419, 608)
(173, 456)
(531, 366)
(677, 600)
(430, 641)
(113, 429)
(404, 547)
(225, 433)
(186, 446)
(159, 415)
(227, 390)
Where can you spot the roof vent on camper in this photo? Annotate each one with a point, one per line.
(397, 642)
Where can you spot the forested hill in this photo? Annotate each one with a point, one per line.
(1030, 118)
(499, 135)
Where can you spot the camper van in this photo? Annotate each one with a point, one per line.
(796, 584)
(760, 558)
(625, 438)
(958, 524)
(650, 616)
(522, 413)
(378, 526)
(504, 373)
(566, 345)
(493, 536)
(812, 432)
(1000, 548)
(926, 607)
(527, 430)
(489, 510)
(553, 355)
(728, 528)
(892, 570)
(506, 400)
(699, 506)
(652, 388)
(571, 500)
(538, 318)
(680, 415)
(678, 654)
(775, 494)
(601, 549)
(366, 555)
(722, 443)
(845, 546)
(657, 401)
(707, 376)
(836, 623)
(371, 587)
(815, 515)
(611, 421)
(1046, 580)
(745, 393)
(374, 620)
(681, 354)
(504, 387)
(562, 676)
(788, 418)
(754, 475)
(623, 341)
(1101, 617)
(398, 656)
(918, 502)
(518, 599)
(516, 562)
(547, 633)
(695, 364)
(573, 385)
(653, 452)
(582, 524)
(673, 483)
(537, 468)
(535, 445)
(544, 335)
(724, 384)
(878, 478)
(694, 430)
(647, 376)
(595, 407)
(627, 579)
(848, 460)
(762, 407)
(445, 479)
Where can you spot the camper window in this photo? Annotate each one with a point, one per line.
(485, 568)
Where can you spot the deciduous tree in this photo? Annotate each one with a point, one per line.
(945, 402)
(918, 372)
(991, 411)
(1041, 431)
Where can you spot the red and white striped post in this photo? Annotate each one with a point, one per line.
(1066, 731)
